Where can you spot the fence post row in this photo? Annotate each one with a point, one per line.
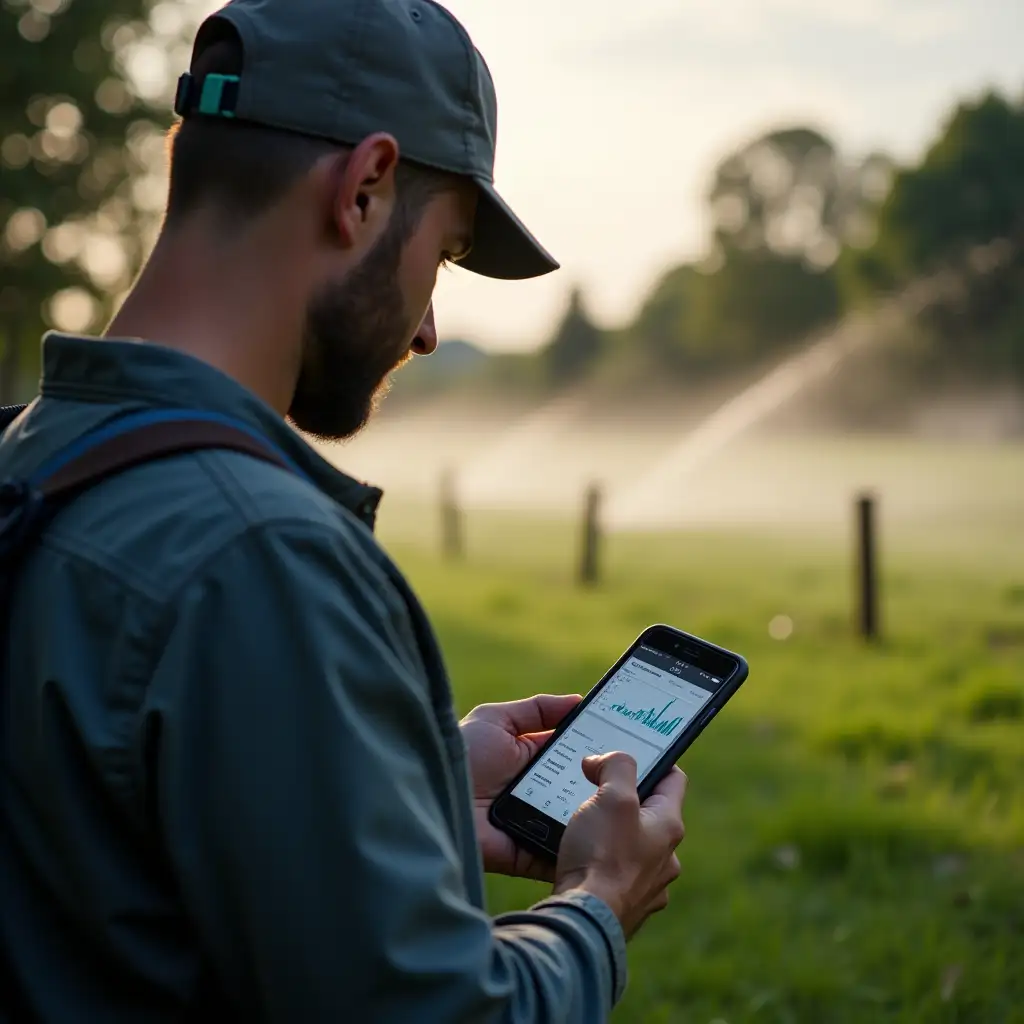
(866, 555)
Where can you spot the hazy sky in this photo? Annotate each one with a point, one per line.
(612, 116)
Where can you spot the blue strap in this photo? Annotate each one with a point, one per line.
(150, 417)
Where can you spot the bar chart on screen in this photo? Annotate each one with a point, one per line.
(640, 711)
(653, 706)
(651, 718)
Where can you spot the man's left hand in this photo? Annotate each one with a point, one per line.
(501, 739)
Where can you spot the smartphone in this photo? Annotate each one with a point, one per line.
(652, 704)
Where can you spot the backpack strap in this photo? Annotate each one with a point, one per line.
(142, 438)
(26, 506)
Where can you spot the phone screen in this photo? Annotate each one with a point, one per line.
(642, 710)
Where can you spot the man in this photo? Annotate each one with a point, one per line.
(233, 781)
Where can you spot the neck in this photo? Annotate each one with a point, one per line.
(227, 303)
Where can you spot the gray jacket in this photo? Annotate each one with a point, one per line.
(234, 782)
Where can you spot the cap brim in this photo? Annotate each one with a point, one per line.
(502, 246)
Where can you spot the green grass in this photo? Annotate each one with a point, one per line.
(855, 846)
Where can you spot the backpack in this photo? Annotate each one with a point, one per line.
(28, 505)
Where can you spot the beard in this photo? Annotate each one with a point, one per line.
(357, 332)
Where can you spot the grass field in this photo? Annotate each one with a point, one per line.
(855, 846)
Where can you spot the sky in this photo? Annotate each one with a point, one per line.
(612, 117)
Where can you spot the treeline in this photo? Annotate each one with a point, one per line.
(802, 236)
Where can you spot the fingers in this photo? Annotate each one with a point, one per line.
(534, 714)
(665, 806)
(535, 740)
(542, 871)
(614, 774)
(668, 796)
(673, 871)
(668, 876)
(536, 868)
(657, 904)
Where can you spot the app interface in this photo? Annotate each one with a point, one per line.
(641, 711)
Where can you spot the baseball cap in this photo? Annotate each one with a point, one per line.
(341, 70)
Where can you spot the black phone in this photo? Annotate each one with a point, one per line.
(652, 704)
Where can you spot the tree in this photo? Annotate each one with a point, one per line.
(790, 194)
(664, 328)
(758, 303)
(968, 190)
(576, 345)
(966, 193)
(83, 104)
(752, 304)
(782, 207)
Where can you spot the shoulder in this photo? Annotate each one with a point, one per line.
(159, 524)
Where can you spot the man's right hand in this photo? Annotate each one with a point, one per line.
(619, 850)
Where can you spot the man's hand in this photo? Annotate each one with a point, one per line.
(501, 739)
(620, 850)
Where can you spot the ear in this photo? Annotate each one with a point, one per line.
(364, 191)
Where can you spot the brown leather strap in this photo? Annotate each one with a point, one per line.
(147, 443)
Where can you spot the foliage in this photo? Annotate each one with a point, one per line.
(81, 147)
(781, 207)
(967, 193)
(791, 194)
(968, 190)
(576, 346)
(755, 303)
(801, 236)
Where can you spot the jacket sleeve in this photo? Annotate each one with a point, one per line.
(295, 763)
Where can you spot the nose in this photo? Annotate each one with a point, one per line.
(425, 343)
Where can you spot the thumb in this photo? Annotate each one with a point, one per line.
(615, 772)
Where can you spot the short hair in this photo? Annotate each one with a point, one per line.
(240, 170)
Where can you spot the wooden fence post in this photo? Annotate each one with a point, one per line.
(451, 519)
(589, 561)
(867, 568)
